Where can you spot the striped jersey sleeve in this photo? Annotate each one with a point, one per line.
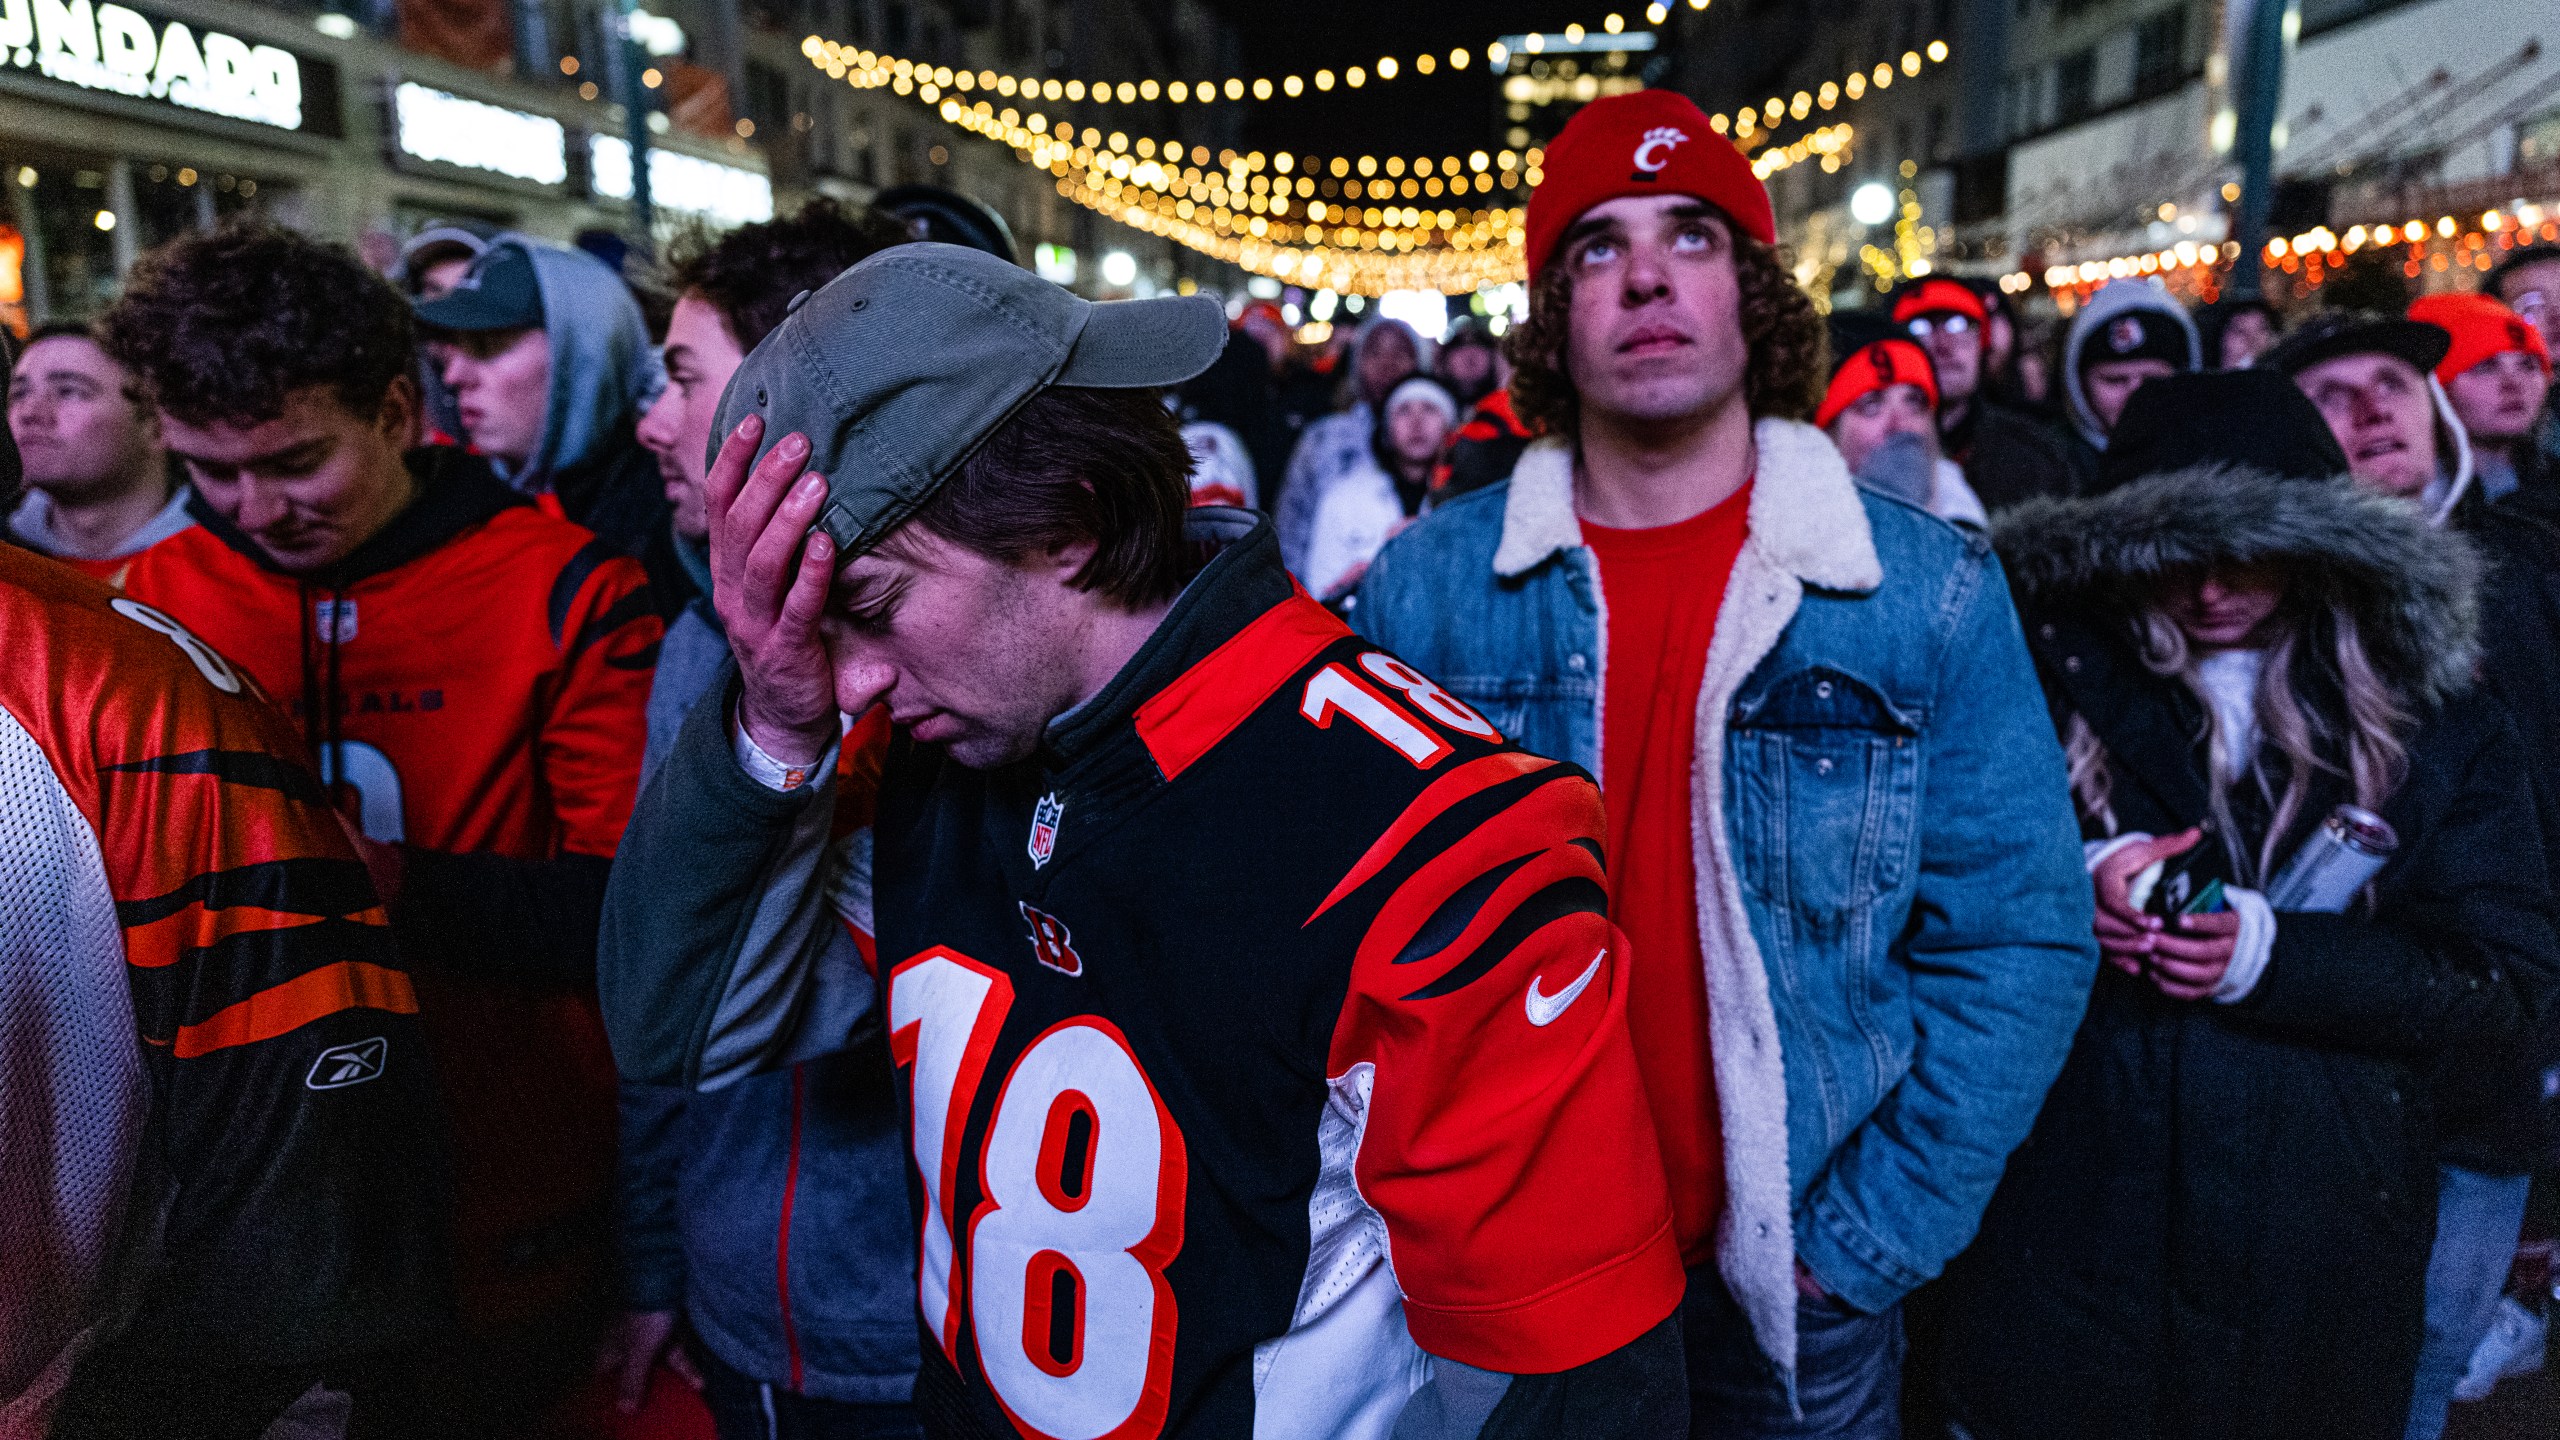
(290, 1124)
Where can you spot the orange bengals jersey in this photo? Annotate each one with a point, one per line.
(474, 681)
(213, 1088)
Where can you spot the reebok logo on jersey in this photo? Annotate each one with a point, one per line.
(1044, 828)
(340, 1066)
(1543, 1009)
(1051, 944)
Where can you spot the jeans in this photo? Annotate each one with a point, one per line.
(2477, 1219)
(745, 1409)
(1848, 1370)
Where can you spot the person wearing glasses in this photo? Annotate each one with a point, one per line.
(2007, 457)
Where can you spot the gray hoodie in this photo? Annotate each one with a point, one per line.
(604, 371)
(2115, 298)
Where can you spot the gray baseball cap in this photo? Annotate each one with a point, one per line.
(898, 368)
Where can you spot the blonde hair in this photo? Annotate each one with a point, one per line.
(2368, 746)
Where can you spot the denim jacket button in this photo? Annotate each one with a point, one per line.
(1822, 688)
(1822, 766)
(1575, 663)
(2071, 663)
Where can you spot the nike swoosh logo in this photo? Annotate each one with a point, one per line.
(1543, 1009)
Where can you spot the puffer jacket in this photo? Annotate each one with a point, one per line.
(2220, 1225)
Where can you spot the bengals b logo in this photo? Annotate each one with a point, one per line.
(1051, 944)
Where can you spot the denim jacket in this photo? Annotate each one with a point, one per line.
(1891, 901)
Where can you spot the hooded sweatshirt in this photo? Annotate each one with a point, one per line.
(604, 376)
(473, 680)
(32, 525)
(2117, 298)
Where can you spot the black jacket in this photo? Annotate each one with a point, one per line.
(2221, 1223)
(2008, 457)
(620, 494)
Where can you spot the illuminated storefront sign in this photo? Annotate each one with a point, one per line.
(432, 125)
(723, 194)
(114, 48)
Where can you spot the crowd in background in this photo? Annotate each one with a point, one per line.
(452, 523)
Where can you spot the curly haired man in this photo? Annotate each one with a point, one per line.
(1838, 836)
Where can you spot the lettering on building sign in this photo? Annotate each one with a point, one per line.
(110, 47)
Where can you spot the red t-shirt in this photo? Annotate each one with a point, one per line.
(1664, 588)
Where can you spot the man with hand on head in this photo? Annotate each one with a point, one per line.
(1168, 1127)
(2006, 457)
(1838, 836)
(99, 487)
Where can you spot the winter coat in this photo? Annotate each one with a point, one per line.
(1890, 907)
(2220, 1225)
(1331, 448)
(2009, 457)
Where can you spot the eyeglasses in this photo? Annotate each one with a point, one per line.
(1923, 326)
(2534, 308)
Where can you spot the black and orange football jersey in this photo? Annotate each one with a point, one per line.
(215, 1109)
(1263, 1036)
(473, 682)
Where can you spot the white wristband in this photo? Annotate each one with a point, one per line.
(772, 774)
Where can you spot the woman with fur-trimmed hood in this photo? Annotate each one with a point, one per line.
(2220, 1225)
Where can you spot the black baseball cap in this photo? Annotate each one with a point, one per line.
(2140, 333)
(2333, 333)
(498, 292)
(897, 369)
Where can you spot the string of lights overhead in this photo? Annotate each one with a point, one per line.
(1185, 89)
(1751, 127)
(1295, 217)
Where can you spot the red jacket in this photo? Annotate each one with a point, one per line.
(474, 681)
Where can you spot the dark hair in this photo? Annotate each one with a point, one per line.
(223, 326)
(1102, 465)
(134, 390)
(751, 274)
(1788, 351)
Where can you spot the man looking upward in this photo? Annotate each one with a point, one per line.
(1839, 840)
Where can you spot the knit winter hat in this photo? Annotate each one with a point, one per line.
(2480, 327)
(1874, 367)
(1645, 142)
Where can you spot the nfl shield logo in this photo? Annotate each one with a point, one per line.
(1044, 828)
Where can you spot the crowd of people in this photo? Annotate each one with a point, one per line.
(827, 840)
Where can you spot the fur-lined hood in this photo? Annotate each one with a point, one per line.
(2412, 588)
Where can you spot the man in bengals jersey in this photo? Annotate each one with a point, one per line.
(1352, 1147)
(472, 676)
(220, 1195)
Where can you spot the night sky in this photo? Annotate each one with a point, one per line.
(1416, 114)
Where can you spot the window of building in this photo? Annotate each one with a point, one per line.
(2159, 52)
(2075, 78)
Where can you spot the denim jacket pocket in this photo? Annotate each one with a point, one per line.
(1511, 703)
(1826, 793)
